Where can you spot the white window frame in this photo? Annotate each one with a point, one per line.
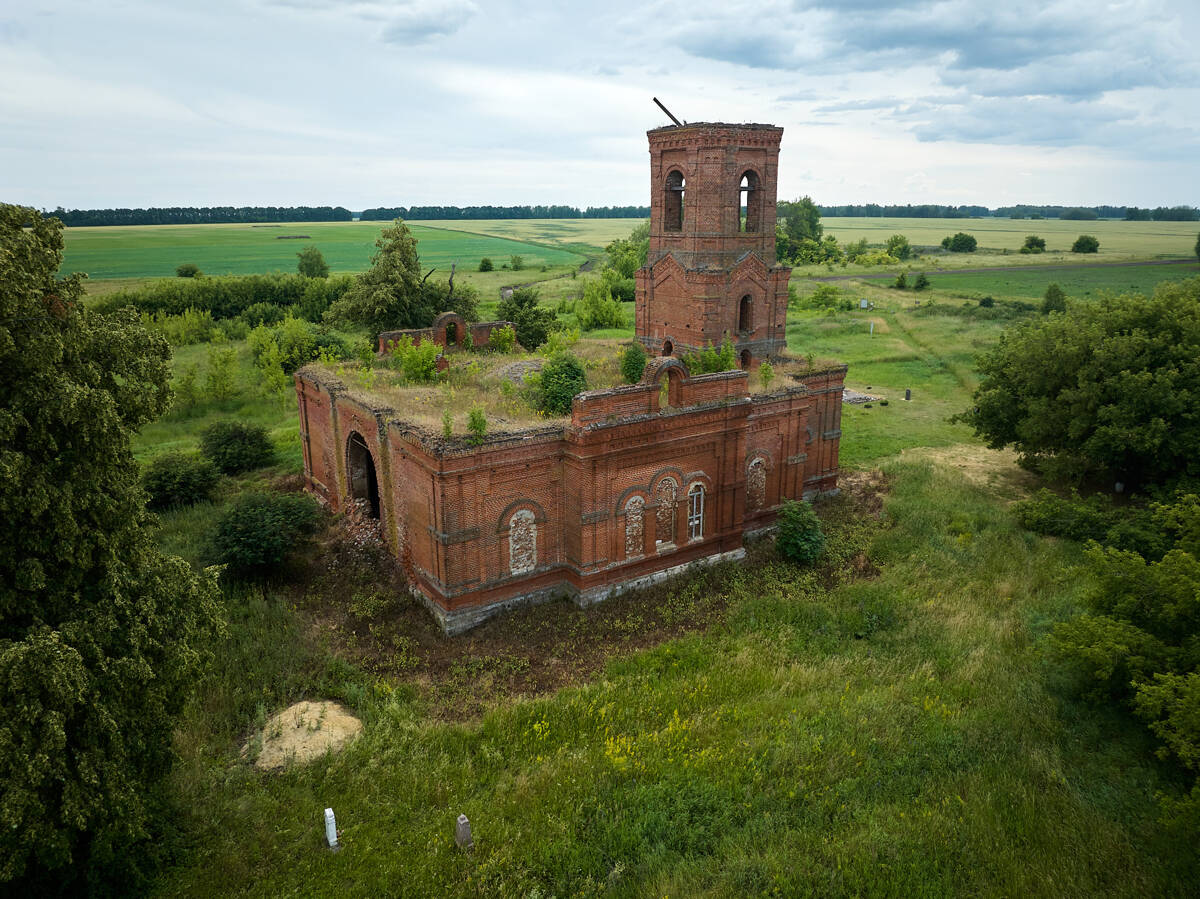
(696, 512)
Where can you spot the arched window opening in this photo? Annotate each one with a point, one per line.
(746, 359)
(673, 202)
(668, 348)
(745, 321)
(522, 542)
(635, 527)
(756, 484)
(452, 334)
(664, 519)
(749, 204)
(696, 512)
(364, 486)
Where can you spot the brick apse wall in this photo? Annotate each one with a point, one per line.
(581, 509)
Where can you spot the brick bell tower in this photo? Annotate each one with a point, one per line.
(711, 270)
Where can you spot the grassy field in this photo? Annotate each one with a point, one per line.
(154, 252)
(887, 724)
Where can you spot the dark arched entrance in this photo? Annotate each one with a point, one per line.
(746, 359)
(668, 348)
(744, 311)
(364, 485)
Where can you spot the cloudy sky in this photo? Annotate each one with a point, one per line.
(406, 102)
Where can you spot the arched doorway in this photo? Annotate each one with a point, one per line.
(668, 348)
(746, 359)
(364, 485)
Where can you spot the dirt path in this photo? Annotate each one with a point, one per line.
(1010, 268)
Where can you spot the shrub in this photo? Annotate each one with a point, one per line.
(901, 281)
(921, 283)
(517, 263)
(255, 535)
(1034, 244)
(562, 378)
(179, 480)
(766, 374)
(897, 245)
(503, 340)
(960, 243)
(533, 323)
(1085, 243)
(234, 446)
(448, 423)
(189, 327)
(800, 538)
(712, 359)
(263, 314)
(633, 362)
(597, 308)
(418, 362)
(1054, 300)
(987, 302)
(476, 424)
(219, 385)
(485, 264)
(188, 270)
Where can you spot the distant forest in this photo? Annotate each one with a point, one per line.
(1079, 213)
(201, 215)
(427, 213)
(204, 215)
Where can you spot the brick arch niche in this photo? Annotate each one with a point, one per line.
(675, 372)
(449, 328)
(362, 479)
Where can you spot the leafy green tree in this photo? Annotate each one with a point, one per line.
(178, 480)
(1198, 247)
(1054, 299)
(312, 264)
(922, 282)
(101, 635)
(901, 282)
(562, 378)
(517, 263)
(486, 264)
(388, 294)
(898, 246)
(626, 255)
(1085, 243)
(532, 322)
(1034, 244)
(795, 223)
(597, 308)
(960, 243)
(1105, 388)
(633, 362)
(477, 425)
(188, 270)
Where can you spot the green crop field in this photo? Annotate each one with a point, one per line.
(155, 251)
(1143, 240)
(588, 235)
(1083, 281)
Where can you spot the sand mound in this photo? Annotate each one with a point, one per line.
(304, 731)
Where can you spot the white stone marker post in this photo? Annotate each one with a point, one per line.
(462, 833)
(331, 830)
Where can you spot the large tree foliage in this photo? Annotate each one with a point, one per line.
(100, 634)
(795, 223)
(392, 294)
(1107, 388)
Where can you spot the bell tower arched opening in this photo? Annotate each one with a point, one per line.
(673, 201)
(749, 204)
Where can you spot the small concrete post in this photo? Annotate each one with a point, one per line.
(872, 329)
(462, 833)
(331, 830)
(907, 393)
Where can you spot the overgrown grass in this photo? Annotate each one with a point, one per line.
(892, 736)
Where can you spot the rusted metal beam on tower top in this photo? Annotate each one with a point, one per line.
(658, 102)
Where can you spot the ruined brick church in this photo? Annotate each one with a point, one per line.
(640, 482)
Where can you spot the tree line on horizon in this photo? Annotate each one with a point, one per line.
(204, 215)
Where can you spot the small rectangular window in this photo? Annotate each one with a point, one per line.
(696, 513)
